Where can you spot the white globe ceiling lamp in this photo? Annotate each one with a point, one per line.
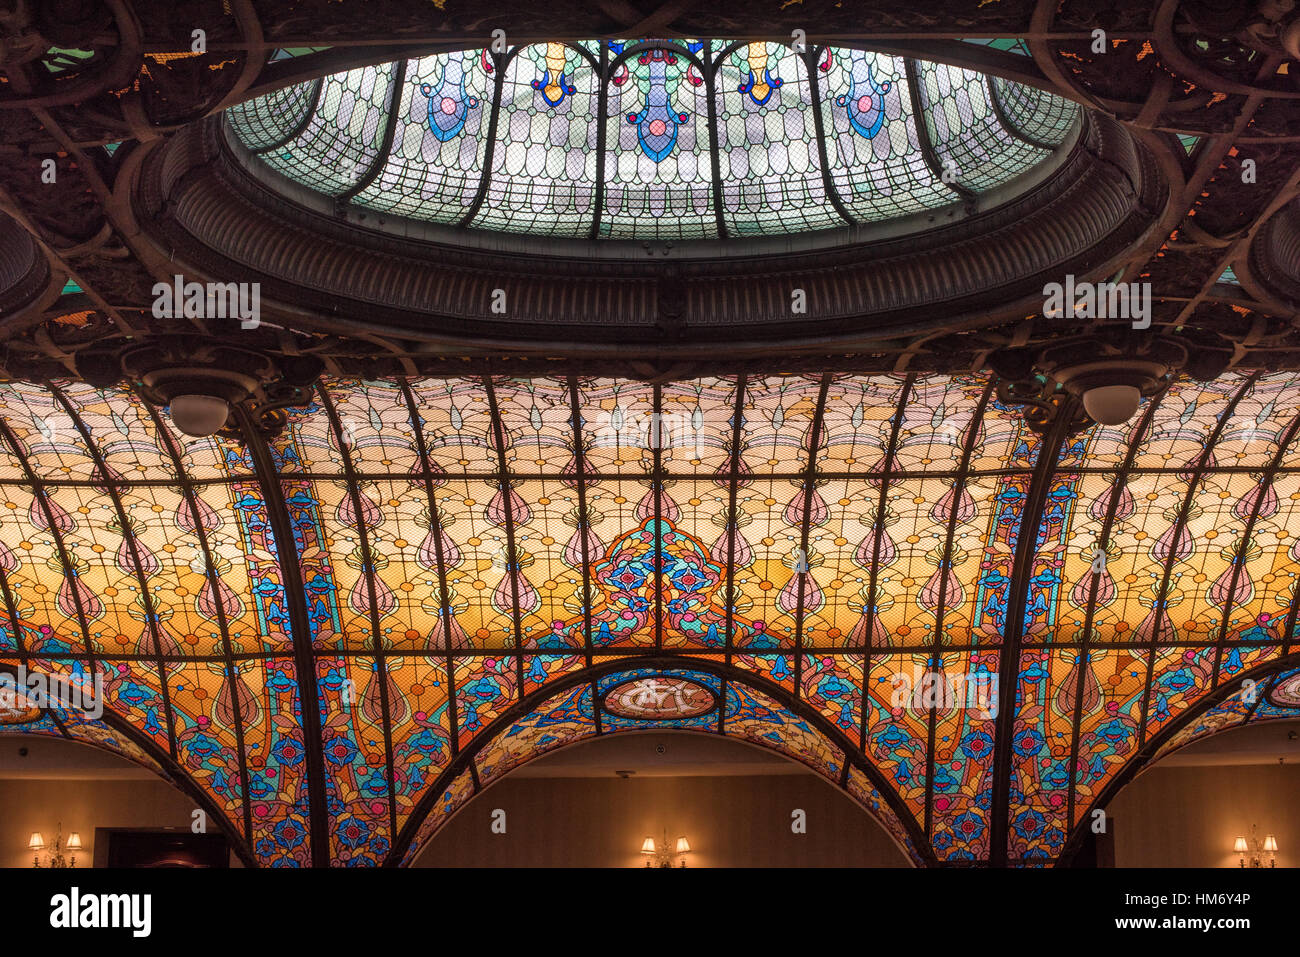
(1112, 388)
(1107, 375)
(200, 399)
(208, 385)
(1112, 404)
(199, 415)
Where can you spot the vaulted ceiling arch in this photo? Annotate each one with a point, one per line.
(435, 551)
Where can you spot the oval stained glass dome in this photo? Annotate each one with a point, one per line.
(654, 140)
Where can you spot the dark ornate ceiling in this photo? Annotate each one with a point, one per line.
(1183, 95)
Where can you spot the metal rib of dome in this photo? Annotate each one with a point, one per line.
(654, 140)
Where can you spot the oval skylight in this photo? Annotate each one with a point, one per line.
(662, 140)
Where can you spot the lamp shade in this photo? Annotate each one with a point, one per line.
(648, 846)
(683, 845)
(1240, 846)
(74, 841)
(199, 415)
(37, 842)
(1270, 843)
(1112, 404)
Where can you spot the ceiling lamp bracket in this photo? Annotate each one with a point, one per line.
(203, 381)
(1108, 374)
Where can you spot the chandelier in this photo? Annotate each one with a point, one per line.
(54, 855)
(662, 856)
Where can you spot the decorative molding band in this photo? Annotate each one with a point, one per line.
(321, 274)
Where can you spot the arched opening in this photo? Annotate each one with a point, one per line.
(1189, 808)
(1210, 791)
(620, 700)
(594, 803)
(78, 804)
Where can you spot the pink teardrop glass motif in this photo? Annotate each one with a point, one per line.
(169, 647)
(436, 640)
(105, 475)
(223, 710)
(965, 506)
(385, 600)
(503, 596)
(63, 522)
(529, 600)
(952, 595)
(742, 555)
(788, 598)
(719, 553)
(1124, 505)
(207, 518)
(397, 706)
(149, 564)
(1263, 494)
(1147, 629)
(92, 606)
(569, 474)
(1068, 691)
(876, 470)
(1225, 591)
(1081, 594)
(668, 510)
(450, 553)
(496, 508)
(372, 702)
(862, 631)
(206, 604)
(645, 509)
(359, 596)
(813, 598)
(866, 552)
(794, 510)
(347, 513)
(1165, 544)
(426, 556)
(573, 550)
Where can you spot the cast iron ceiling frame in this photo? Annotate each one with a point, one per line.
(304, 654)
(1045, 468)
(1198, 472)
(945, 568)
(376, 645)
(1083, 661)
(1265, 486)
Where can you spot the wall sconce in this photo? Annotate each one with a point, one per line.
(663, 856)
(36, 844)
(1244, 847)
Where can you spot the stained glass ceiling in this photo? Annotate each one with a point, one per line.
(654, 139)
(336, 637)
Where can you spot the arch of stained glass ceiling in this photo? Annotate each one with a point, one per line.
(654, 139)
(318, 629)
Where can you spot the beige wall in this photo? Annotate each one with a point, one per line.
(1170, 816)
(1189, 816)
(82, 806)
(600, 822)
